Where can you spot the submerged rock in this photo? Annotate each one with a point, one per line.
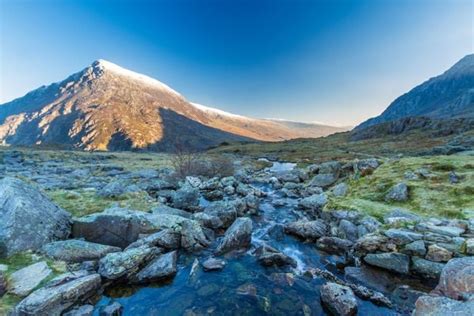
(75, 250)
(213, 264)
(28, 219)
(237, 236)
(339, 299)
(54, 300)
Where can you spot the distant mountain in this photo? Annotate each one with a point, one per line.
(447, 96)
(107, 107)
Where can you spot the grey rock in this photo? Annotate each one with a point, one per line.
(400, 215)
(166, 238)
(450, 231)
(340, 190)
(348, 230)
(366, 166)
(426, 268)
(111, 309)
(28, 219)
(311, 230)
(213, 264)
(193, 237)
(164, 209)
(113, 189)
(330, 167)
(237, 236)
(84, 310)
(162, 267)
(442, 306)
(402, 236)
(225, 211)
(25, 280)
(438, 254)
(314, 202)
(457, 278)
(416, 248)
(3, 284)
(334, 244)
(74, 250)
(470, 246)
(186, 198)
(395, 262)
(269, 256)
(398, 193)
(323, 180)
(53, 301)
(339, 299)
(125, 264)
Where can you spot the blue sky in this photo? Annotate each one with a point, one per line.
(338, 62)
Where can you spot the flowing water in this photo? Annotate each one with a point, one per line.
(243, 287)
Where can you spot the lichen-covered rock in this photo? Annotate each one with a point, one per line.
(237, 236)
(193, 237)
(391, 261)
(186, 198)
(311, 230)
(457, 278)
(28, 219)
(339, 299)
(162, 267)
(25, 280)
(416, 248)
(426, 268)
(125, 264)
(398, 193)
(75, 250)
(54, 300)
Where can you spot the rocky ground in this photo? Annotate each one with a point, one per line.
(86, 234)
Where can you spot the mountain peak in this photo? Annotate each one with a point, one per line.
(102, 65)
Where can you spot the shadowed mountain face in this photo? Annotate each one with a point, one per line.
(106, 107)
(448, 96)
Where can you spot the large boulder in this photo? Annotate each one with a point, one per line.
(398, 193)
(186, 198)
(237, 236)
(310, 230)
(457, 279)
(166, 238)
(323, 180)
(54, 300)
(120, 227)
(442, 306)
(269, 256)
(23, 281)
(193, 237)
(314, 202)
(75, 250)
(391, 261)
(339, 299)
(162, 267)
(118, 265)
(28, 219)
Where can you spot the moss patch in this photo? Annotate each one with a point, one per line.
(83, 202)
(431, 196)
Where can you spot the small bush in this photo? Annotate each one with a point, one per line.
(443, 167)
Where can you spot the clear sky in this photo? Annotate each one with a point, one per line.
(338, 62)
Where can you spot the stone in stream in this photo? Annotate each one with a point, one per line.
(23, 281)
(426, 268)
(84, 310)
(166, 238)
(457, 279)
(125, 264)
(269, 256)
(75, 250)
(54, 300)
(112, 309)
(162, 267)
(314, 202)
(398, 193)
(334, 244)
(323, 180)
(339, 299)
(213, 264)
(193, 237)
(438, 254)
(392, 261)
(28, 219)
(311, 230)
(237, 236)
(442, 306)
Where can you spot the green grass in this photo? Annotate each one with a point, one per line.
(83, 202)
(434, 196)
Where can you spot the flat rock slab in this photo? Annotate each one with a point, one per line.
(74, 250)
(23, 281)
(391, 261)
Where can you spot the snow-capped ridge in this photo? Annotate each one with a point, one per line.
(211, 110)
(106, 65)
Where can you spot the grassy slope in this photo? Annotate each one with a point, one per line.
(434, 196)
